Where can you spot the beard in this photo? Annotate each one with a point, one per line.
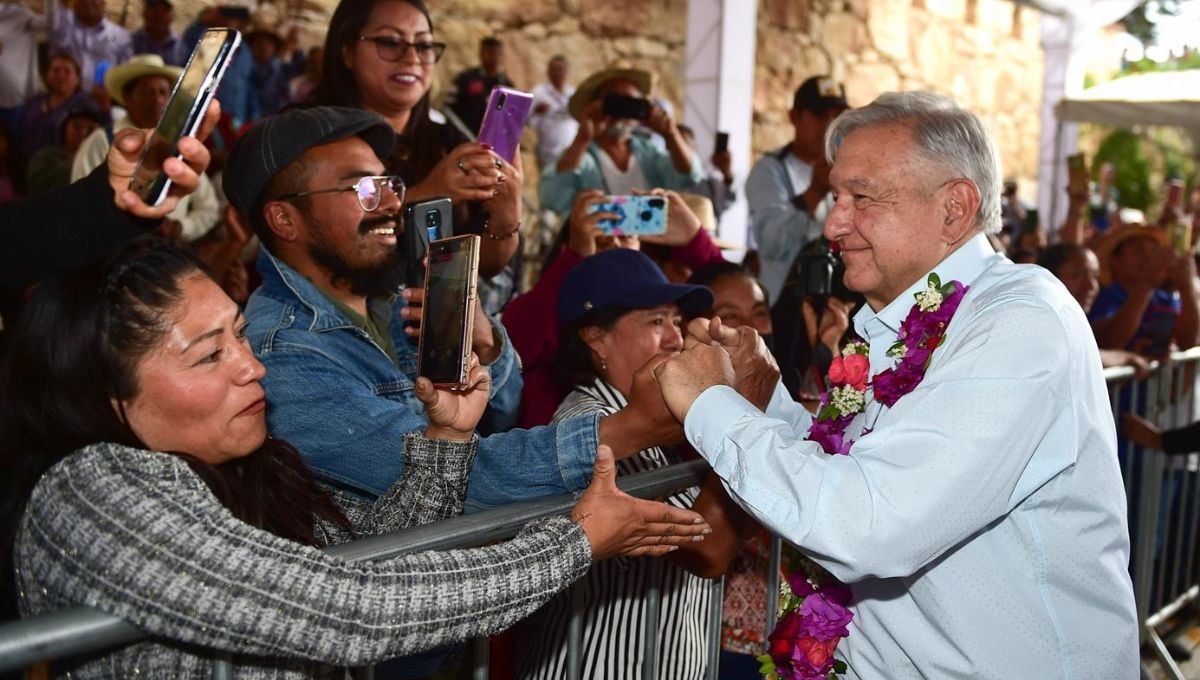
(378, 279)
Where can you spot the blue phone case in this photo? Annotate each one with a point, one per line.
(504, 120)
(637, 215)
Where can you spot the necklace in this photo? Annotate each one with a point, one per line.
(921, 332)
(813, 611)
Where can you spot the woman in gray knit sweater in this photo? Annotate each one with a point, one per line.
(213, 548)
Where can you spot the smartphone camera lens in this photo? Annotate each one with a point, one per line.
(500, 101)
(656, 203)
(646, 215)
(433, 219)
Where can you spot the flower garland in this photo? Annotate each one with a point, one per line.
(813, 614)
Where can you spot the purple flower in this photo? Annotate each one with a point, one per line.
(824, 617)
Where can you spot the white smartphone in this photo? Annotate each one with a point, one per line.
(193, 92)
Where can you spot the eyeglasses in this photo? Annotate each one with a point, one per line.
(368, 190)
(394, 49)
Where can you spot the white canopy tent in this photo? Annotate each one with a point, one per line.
(1160, 98)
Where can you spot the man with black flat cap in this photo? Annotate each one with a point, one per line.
(787, 189)
(328, 322)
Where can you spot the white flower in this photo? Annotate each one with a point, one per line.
(853, 348)
(930, 298)
(846, 399)
(898, 350)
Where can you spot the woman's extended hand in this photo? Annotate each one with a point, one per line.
(619, 524)
(126, 151)
(454, 412)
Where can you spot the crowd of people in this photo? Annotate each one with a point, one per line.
(197, 394)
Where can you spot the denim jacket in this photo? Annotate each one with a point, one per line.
(337, 397)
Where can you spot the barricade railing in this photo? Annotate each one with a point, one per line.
(1164, 521)
(1164, 503)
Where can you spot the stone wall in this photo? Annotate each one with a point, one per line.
(985, 53)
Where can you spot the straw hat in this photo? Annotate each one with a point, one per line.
(703, 207)
(1109, 242)
(138, 66)
(586, 91)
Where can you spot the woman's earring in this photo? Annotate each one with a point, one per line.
(603, 365)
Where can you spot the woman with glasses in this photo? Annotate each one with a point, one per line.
(380, 56)
(137, 477)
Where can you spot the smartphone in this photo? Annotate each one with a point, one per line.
(447, 316)
(622, 106)
(1077, 174)
(505, 117)
(423, 223)
(722, 143)
(636, 215)
(185, 110)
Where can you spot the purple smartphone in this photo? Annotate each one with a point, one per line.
(504, 119)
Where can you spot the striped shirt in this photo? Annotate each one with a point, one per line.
(613, 593)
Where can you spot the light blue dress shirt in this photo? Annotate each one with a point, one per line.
(981, 525)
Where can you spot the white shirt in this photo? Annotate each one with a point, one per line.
(982, 524)
(19, 81)
(555, 127)
(618, 182)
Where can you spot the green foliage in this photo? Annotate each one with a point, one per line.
(1123, 149)
(1138, 23)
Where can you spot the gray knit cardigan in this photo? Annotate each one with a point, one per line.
(139, 535)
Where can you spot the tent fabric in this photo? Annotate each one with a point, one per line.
(1158, 98)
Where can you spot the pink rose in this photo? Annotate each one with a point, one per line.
(850, 370)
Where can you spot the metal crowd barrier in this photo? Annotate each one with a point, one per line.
(1164, 522)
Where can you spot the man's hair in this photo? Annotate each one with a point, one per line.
(944, 135)
(490, 41)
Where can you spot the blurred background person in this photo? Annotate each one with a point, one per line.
(468, 95)
(42, 115)
(50, 167)
(550, 117)
(156, 37)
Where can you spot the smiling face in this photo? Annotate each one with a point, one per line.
(391, 87)
(198, 389)
(633, 340)
(740, 301)
(889, 212)
(347, 246)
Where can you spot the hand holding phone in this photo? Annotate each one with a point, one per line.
(636, 215)
(504, 119)
(185, 110)
(448, 315)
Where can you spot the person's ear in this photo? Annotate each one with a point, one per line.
(593, 337)
(960, 206)
(283, 220)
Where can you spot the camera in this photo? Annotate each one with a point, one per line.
(814, 269)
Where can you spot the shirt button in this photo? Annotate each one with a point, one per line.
(699, 439)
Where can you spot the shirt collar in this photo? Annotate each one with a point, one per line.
(277, 274)
(963, 265)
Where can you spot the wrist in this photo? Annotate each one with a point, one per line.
(500, 232)
(447, 433)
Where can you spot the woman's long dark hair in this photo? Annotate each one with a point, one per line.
(75, 352)
(572, 366)
(421, 145)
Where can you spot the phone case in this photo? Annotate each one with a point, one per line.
(448, 315)
(424, 221)
(504, 120)
(185, 109)
(637, 215)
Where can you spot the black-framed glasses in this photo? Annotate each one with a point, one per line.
(368, 190)
(394, 49)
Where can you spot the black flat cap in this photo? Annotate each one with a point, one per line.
(275, 142)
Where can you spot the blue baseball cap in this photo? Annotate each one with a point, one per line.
(624, 279)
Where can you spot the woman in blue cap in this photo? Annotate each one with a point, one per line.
(620, 317)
